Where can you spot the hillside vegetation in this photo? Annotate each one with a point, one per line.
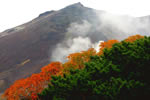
(119, 71)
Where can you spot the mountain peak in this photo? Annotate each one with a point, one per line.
(77, 5)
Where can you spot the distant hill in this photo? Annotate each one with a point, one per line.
(26, 48)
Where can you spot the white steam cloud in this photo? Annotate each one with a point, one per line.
(126, 25)
(72, 45)
(79, 29)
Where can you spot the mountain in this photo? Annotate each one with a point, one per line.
(26, 48)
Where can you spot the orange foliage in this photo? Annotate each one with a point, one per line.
(52, 69)
(77, 60)
(108, 44)
(29, 88)
(133, 38)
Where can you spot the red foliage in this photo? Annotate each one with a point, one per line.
(29, 88)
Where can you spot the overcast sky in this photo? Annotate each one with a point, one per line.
(16, 12)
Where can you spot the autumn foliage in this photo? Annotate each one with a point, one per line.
(108, 44)
(28, 88)
(133, 38)
(77, 60)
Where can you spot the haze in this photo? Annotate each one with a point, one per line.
(16, 12)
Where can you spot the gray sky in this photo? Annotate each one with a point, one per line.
(16, 12)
